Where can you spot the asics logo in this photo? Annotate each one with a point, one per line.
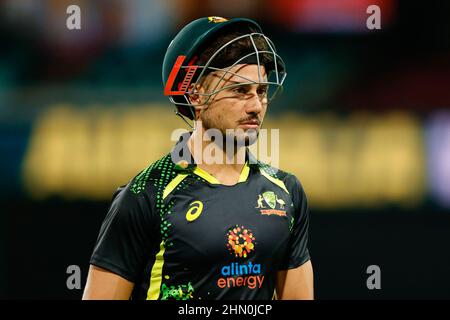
(195, 210)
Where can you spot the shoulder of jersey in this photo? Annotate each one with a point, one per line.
(158, 174)
(290, 180)
(274, 172)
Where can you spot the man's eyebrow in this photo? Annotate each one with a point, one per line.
(249, 82)
(244, 83)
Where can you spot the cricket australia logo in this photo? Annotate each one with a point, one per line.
(270, 199)
(215, 19)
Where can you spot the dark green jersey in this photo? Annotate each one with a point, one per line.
(177, 233)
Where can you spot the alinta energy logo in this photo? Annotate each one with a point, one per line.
(270, 199)
(241, 243)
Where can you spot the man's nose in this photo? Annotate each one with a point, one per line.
(253, 104)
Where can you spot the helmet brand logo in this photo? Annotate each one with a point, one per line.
(173, 75)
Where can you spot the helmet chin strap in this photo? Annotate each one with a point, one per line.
(184, 119)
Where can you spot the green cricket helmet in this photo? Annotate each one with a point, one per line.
(189, 58)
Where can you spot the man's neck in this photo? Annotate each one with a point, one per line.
(225, 165)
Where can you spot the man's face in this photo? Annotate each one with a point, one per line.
(240, 108)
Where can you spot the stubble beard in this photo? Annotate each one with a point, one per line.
(240, 137)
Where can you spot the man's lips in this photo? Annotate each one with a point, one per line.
(252, 124)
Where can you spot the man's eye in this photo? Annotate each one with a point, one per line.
(240, 90)
(262, 91)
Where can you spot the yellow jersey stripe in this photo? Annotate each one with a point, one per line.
(244, 173)
(205, 175)
(276, 181)
(173, 184)
(156, 275)
(213, 180)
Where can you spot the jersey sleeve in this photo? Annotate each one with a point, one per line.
(128, 233)
(298, 252)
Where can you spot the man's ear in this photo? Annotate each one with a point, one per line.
(194, 97)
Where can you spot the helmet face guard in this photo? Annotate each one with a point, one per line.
(186, 76)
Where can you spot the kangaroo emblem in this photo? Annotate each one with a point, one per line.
(260, 202)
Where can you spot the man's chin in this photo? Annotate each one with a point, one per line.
(246, 138)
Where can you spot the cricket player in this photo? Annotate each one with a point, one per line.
(210, 225)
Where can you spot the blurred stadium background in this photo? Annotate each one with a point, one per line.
(364, 123)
